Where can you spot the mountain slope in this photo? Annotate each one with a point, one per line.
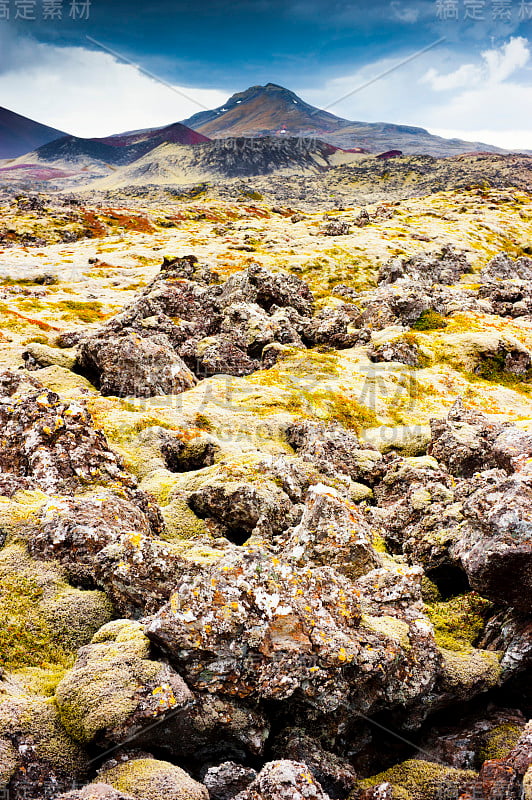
(94, 158)
(142, 142)
(272, 110)
(227, 158)
(264, 109)
(19, 135)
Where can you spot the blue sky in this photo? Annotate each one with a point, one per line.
(477, 83)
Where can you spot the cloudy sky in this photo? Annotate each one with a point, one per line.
(457, 67)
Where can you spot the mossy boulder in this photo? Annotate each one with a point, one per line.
(469, 672)
(114, 686)
(34, 746)
(151, 779)
(9, 762)
(43, 620)
(41, 355)
(420, 780)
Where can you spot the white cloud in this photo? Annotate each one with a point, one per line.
(88, 92)
(498, 66)
(407, 14)
(466, 75)
(484, 99)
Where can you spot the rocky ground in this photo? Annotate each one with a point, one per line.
(265, 496)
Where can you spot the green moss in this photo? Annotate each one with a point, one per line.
(81, 309)
(43, 621)
(26, 637)
(498, 742)
(102, 689)
(429, 591)
(429, 321)
(492, 369)
(423, 780)
(35, 719)
(458, 622)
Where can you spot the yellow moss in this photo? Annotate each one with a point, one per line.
(379, 545)
(498, 742)
(422, 780)
(470, 670)
(153, 780)
(181, 522)
(43, 621)
(391, 627)
(458, 622)
(36, 719)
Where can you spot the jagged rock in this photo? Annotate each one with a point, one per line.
(333, 449)
(151, 779)
(509, 298)
(510, 633)
(51, 444)
(336, 228)
(334, 774)
(106, 541)
(419, 512)
(187, 267)
(504, 777)
(182, 325)
(495, 543)
(332, 327)
(266, 289)
(184, 455)
(217, 355)
(502, 267)
(464, 442)
(227, 780)
(408, 302)
(399, 351)
(331, 531)
(132, 365)
(211, 727)
(512, 449)
(284, 780)
(114, 688)
(363, 219)
(474, 739)
(447, 267)
(242, 510)
(255, 626)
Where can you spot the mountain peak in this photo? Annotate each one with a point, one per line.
(264, 110)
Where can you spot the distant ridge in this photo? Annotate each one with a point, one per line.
(19, 135)
(272, 110)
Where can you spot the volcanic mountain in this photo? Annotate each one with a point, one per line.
(19, 135)
(228, 158)
(71, 155)
(272, 110)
